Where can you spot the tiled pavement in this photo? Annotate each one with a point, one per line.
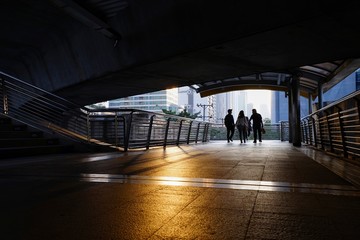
(219, 190)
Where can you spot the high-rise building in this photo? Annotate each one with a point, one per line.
(155, 101)
(231, 100)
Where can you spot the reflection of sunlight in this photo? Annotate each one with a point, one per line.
(223, 183)
(99, 158)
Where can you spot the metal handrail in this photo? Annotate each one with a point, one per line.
(336, 127)
(119, 128)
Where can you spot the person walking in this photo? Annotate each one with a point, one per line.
(257, 125)
(242, 126)
(230, 125)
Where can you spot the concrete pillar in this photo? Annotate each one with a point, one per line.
(309, 103)
(290, 114)
(295, 107)
(320, 95)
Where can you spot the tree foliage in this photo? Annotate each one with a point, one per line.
(183, 113)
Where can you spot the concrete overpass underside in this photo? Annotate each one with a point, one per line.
(91, 51)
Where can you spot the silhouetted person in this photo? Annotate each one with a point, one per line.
(242, 126)
(230, 125)
(257, 124)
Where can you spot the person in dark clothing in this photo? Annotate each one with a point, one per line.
(230, 125)
(257, 124)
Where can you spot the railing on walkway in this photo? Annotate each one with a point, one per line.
(121, 128)
(276, 131)
(129, 128)
(335, 128)
(284, 130)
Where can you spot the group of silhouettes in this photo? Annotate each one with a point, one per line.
(244, 126)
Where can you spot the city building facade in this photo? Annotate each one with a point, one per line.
(154, 101)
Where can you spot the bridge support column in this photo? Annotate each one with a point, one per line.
(290, 114)
(320, 96)
(295, 111)
(309, 103)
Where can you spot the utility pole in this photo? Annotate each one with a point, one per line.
(204, 106)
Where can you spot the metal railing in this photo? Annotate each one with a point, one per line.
(275, 131)
(284, 130)
(120, 128)
(335, 128)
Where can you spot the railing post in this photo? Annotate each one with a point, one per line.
(197, 133)
(128, 130)
(314, 131)
(149, 131)
(329, 131)
(320, 134)
(5, 97)
(167, 131)
(116, 124)
(342, 132)
(179, 133)
(306, 131)
(88, 125)
(310, 130)
(124, 128)
(302, 131)
(358, 107)
(205, 132)
(189, 133)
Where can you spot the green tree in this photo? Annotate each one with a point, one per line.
(183, 113)
(267, 121)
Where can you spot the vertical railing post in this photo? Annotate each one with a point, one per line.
(341, 123)
(320, 133)
(166, 131)
(149, 132)
(128, 131)
(310, 130)
(197, 133)
(189, 133)
(314, 131)
(358, 107)
(205, 132)
(179, 133)
(5, 97)
(124, 129)
(302, 131)
(88, 130)
(306, 131)
(329, 131)
(116, 126)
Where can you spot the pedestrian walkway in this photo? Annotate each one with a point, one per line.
(218, 190)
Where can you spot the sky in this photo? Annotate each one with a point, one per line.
(258, 98)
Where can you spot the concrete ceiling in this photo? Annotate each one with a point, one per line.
(91, 51)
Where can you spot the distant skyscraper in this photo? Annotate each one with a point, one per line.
(231, 100)
(249, 108)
